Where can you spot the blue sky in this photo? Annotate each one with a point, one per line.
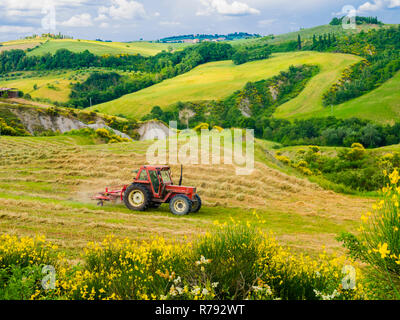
(125, 20)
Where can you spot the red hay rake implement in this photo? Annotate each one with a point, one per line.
(112, 194)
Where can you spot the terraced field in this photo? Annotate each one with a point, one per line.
(220, 79)
(46, 183)
(102, 48)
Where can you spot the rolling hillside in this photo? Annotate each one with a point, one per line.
(220, 79)
(102, 48)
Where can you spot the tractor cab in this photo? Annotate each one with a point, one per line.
(153, 186)
(157, 178)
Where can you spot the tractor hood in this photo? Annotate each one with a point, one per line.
(181, 189)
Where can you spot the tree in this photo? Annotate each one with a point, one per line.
(299, 46)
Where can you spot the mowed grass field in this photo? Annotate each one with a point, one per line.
(19, 45)
(218, 80)
(46, 184)
(102, 48)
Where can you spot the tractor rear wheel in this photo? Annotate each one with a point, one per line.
(196, 203)
(137, 197)
(180, 205)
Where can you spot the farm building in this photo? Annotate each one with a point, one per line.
(8, 92)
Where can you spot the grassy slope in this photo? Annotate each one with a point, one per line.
(381, 105)
(46, 183)
(101, 48)
(219, 79)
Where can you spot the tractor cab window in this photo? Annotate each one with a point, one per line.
(143, 176)
(166, 177)
(154, 180)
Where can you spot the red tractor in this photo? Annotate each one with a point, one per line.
(152, 187)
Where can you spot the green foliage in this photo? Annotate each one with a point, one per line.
(250, 53)
(328, 131)
(359, 20)
(10, 124)
(20, 283)
(109, 137)
(102, 87)
(354, 168)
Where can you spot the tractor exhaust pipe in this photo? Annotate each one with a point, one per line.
(180, 180)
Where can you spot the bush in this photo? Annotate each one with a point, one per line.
(378, 244)
(21, 266)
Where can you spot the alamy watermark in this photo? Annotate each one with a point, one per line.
(49, 21)
(349, 20)
(190, 147)
(49, 279)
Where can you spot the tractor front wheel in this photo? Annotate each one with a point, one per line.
(180, 205)
(196, 203)
(137, 197)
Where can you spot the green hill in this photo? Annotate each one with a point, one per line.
(307, 34)
(381, 105)
(220, 79)
(102, 48)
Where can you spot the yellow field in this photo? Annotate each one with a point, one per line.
(218, 80)
(55, 86)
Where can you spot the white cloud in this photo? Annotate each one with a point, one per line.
(394, 4)
(267, 22)
(376, 5)
(101, 17)
(169, 23)
(35, 6)
(15, 29)
(223, 7)
(124, 9)
(368, 6)
(80, 20)
(104, 25)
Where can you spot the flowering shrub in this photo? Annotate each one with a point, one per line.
(21, 267)
(235, 261)
(379, 241)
